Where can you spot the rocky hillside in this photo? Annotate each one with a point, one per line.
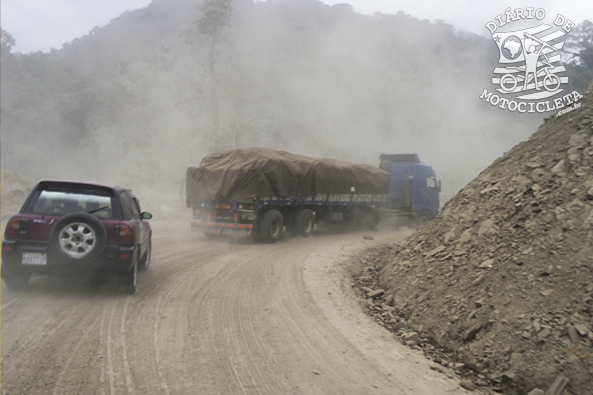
(500, 285)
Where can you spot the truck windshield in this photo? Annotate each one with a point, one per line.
(431, 183)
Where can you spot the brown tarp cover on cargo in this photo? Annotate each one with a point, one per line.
(243, 174)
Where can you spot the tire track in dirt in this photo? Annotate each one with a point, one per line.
(209, 317)
(46, 335)
(323, 343)
(163, 290)
(66, 367)
(246, 345)
(107, 371)
(29, 346)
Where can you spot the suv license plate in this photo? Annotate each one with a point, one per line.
(30, 258)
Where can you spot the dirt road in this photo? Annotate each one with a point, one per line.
(210, 317)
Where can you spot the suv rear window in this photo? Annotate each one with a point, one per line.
(60, 202)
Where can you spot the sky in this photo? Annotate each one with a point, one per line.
(40, 25)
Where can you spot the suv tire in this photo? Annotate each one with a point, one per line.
(78, 237)
(129, 279)
(145, 261)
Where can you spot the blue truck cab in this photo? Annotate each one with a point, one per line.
(413, 186)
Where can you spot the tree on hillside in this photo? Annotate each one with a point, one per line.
(212, 23)
(7, 42)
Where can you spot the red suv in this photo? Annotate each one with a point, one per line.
(77, 228)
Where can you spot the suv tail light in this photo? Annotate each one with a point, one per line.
(123, 234)
(17, 227)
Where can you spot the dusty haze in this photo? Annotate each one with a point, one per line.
(135, 102)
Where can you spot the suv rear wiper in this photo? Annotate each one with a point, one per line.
(98, 209)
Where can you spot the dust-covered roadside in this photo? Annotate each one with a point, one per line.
(328, 276)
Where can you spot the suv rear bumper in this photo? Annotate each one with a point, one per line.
(114, 259)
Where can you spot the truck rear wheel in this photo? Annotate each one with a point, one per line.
(271, 226)
(304, 222)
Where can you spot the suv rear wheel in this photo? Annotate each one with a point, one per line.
(129, 279)
(145, 261)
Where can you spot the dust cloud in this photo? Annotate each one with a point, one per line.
(138, 101)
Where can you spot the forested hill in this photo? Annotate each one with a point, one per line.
(158, 88)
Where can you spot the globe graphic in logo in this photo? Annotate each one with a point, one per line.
(511, 47)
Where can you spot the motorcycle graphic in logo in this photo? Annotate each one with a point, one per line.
(528, 69)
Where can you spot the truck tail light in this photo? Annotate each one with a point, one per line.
(123, 234)
(17, 226)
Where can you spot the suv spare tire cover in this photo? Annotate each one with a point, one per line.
(78, 237)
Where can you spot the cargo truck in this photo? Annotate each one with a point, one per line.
(267, 192)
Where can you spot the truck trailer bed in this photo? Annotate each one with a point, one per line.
(242, 175)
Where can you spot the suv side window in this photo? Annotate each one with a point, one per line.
(127, 206)
(136, 206)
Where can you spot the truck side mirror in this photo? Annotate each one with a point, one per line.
(439, 186)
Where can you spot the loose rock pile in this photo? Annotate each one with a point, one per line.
(499, 287)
